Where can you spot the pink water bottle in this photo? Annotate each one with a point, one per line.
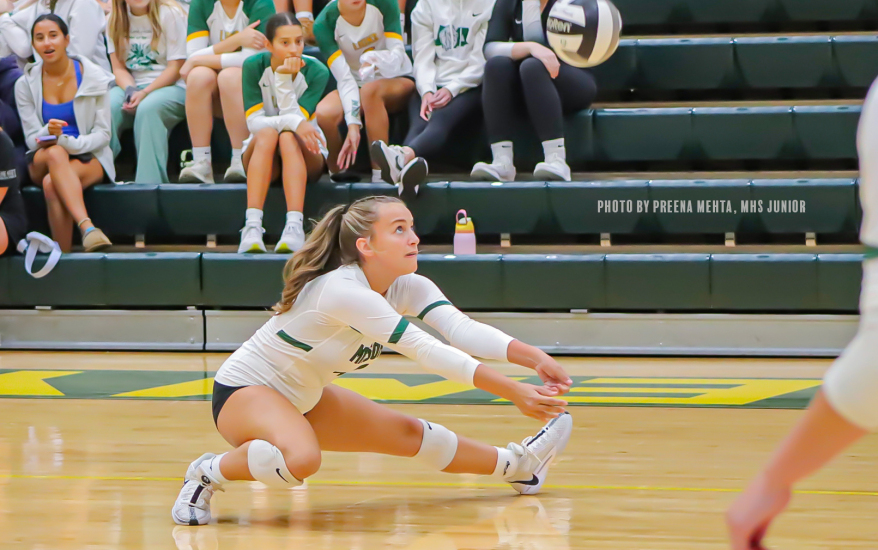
(464, 235)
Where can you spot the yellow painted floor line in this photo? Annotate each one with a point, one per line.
(449, 484)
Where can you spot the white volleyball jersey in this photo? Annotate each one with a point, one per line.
(338, 324)
(867, 149)
(209, 23)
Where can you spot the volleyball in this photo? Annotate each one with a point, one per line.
(584, 33)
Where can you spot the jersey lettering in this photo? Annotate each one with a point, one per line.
(366, 353)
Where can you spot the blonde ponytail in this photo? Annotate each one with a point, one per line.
(332, 243)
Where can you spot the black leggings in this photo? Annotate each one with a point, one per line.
(427, 139)
(513, 88)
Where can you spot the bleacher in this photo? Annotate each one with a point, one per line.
(710, 103)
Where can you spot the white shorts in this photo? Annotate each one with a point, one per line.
(851, 384)
(245, 368)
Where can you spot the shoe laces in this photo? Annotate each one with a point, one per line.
(249, 227)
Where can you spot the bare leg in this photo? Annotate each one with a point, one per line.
(330, 114)
(346, 421)
(260, 162)
(200, 85)
(298, 167)
(232, 97)
(259, 412)
(381, 97)
(4, 235)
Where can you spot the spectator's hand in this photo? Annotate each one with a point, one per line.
(187, 68)
(348, 154)
(538, 402)
(6, 6)
(56, 127)
(308, 31)
(310, 136)
(136, 98)
(291, 66)
(442, 98)
(251, 38)
(426, 109)
(753, 511)
(547, 56)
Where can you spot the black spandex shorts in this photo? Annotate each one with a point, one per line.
(221, 394)
(13, 216)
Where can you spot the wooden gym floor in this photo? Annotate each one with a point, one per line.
(91, 457)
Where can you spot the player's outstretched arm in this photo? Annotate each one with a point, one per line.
(817, 438)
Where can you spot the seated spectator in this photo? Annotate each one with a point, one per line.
(9, 75)
(363, 42)
(13, 221)
(150, 36)
(64, 103)
(522, 73)
(281, 91)
(447, 41)
(84, 18)
(222, 34)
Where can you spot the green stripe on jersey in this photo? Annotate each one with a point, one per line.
(398, 331)
(292, 341)
(871, 253)
(433, 306)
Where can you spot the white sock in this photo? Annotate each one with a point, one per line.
(507, 463)
(237, 155)
(201, 153)
(253, 216)
(554, 148)
(295, 218)
(376, 176)
(502, 151)
(213, 469)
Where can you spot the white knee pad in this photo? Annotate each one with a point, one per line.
(266, 464)
(438, 446)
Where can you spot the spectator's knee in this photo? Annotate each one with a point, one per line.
(49, 191)
(201, 78)
(229, 79)
(56, 154)
(532, 68)
(498, 66)
(328, 116)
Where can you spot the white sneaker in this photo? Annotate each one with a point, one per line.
(493, 172)
(235, 173)
(553, 169)
(251, 239)
(193, 502)
(407, 176)
(537, 453)
(291, 240)
(197, 172)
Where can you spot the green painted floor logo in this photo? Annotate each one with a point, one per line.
(421, 388)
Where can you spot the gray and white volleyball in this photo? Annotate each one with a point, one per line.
(584, 33)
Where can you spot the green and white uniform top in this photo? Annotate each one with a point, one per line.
(281, 101)
(344, 44)
(867, 148)
(338, 324)
(209, 25)
(144, 62)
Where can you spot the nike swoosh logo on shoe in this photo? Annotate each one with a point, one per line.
(532, 481)
(280, 476)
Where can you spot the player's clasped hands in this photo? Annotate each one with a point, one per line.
(538, 402)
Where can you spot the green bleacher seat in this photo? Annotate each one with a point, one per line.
(620, 71)
(723, 11)
(171, 279)
(715, 205)
(78, 280)
(837, 10)
(471, 282)
(829, 205)
(638, 282)
(764, 282)
(652, 12)
(837, 278)
(686, 64)
(138, 202)
(857, 59)
(727, 133)
(827, 132)
(785, 62)
(203, 209)
(490, 204)
(241, 280)
(642, 134)
(594, 207)
(537, 278)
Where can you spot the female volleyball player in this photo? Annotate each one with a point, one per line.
(281, 91)
(345, 295)
(448, 37)
(523, 74)
(362, 39)
(846, 408)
